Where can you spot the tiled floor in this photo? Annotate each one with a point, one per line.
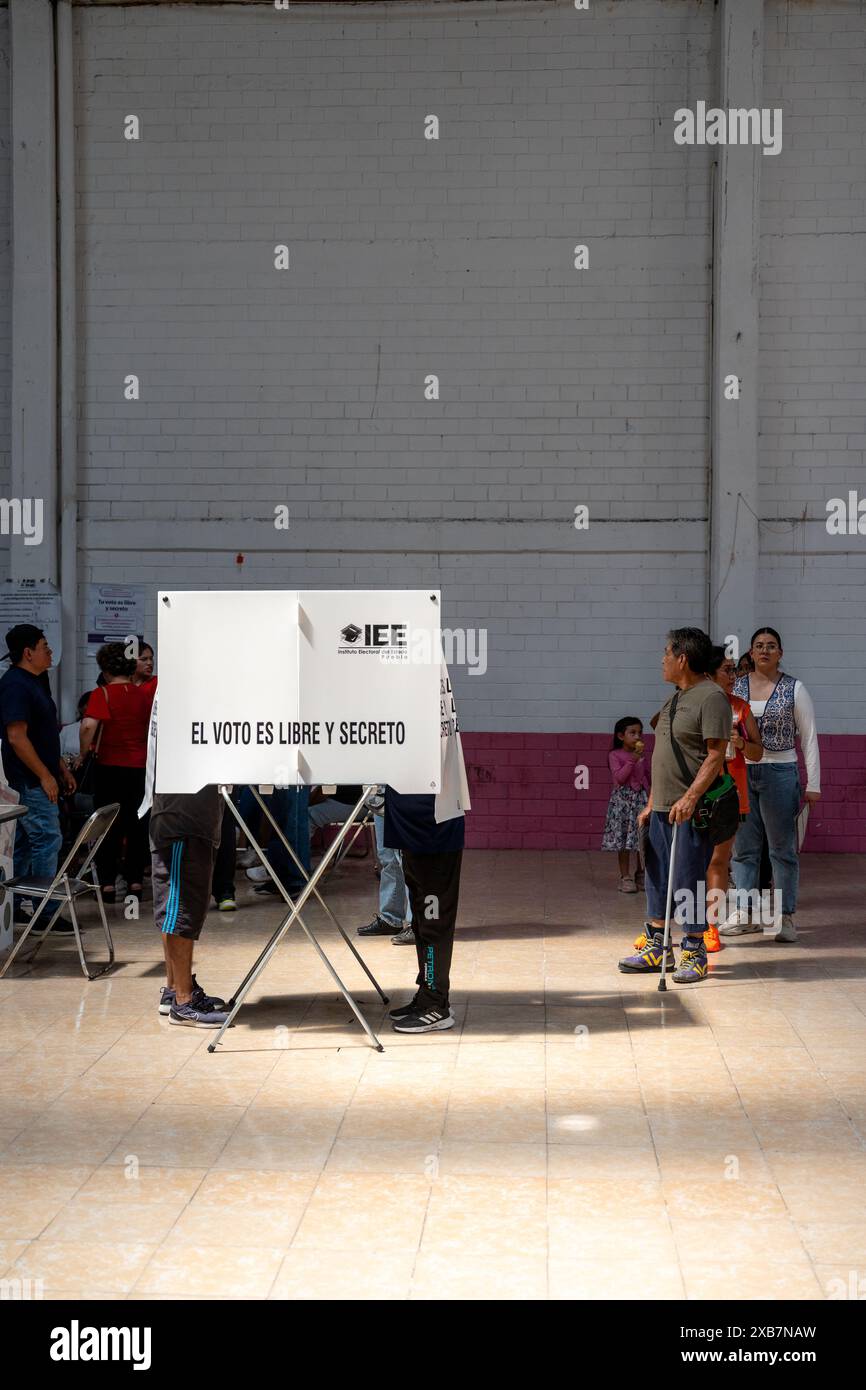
(577, 1136)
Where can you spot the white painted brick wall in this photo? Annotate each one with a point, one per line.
(813, 346)
(408, 257)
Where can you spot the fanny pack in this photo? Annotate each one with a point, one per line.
(717, 814)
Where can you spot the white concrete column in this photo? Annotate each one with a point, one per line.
(736, 242)
(34, 302)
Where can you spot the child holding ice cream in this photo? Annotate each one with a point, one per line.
(631, 785)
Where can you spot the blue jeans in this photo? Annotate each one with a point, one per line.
(691, 862)
(37, 840)
(394, 905)
(774, 802)
(289, 807)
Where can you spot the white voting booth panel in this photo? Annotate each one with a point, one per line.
(275, 687)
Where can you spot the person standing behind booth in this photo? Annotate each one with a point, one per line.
(394, 915)
(122, 710)
(30, 740)
(185, 831)
(784, 712)
(432, 854)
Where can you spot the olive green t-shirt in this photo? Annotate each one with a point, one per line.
(703, 711)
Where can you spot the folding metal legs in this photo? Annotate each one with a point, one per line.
(293, 915)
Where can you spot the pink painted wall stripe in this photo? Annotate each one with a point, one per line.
(524, 797)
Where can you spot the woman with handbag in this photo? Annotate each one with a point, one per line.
(114, 741)
(784, 713)
(691, 790)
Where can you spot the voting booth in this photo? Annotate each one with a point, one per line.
(296, 688)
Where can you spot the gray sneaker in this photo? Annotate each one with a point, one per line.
(739, 924)
(200, 1013)
(787, 931)
(406, 937)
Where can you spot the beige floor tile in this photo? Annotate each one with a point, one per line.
(629, 1279)
(246, 1190)
(211, 1270)
(270, 1228)
(414, 1157)
(42, 1180)
(337, 1275)
(593, 1163)
(273, 1151)
(355, 1211)
(25, 1218)
(466, 1212)
(499, 1160)
(146, 1223)
(837, 1242)
(771, 1240)
(416, 1117)
(755, 1280)
(10, 1251)
(133, 1184)
(723, 1200)
(599, 1125)
(479, 1277)
(84, 1266)
(301, 1120)
(733, 1115)
(509, 1116)
(578, 1235)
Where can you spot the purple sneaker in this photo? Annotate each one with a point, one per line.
(648, 960)
(197, 1014)
(167, 998)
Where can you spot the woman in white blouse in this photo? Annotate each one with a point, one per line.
(784, 712)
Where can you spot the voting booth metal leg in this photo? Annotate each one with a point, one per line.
(292, 916)
(321, 901)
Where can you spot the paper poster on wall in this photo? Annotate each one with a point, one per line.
(31, 601)
(313, 687)
(114, 611)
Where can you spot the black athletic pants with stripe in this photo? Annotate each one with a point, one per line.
(433, 881)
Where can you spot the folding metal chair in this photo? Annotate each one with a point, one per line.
(68, 890)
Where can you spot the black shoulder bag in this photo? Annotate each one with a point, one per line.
(717, 814)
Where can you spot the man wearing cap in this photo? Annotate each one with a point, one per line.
(30, 743)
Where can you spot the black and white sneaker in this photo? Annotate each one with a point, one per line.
(433, 1021)
(405, 1009)
(378, 927)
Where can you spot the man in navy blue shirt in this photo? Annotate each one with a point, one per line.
(432, 856)
(30, 742)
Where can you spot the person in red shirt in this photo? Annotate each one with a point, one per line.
(120, 710)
